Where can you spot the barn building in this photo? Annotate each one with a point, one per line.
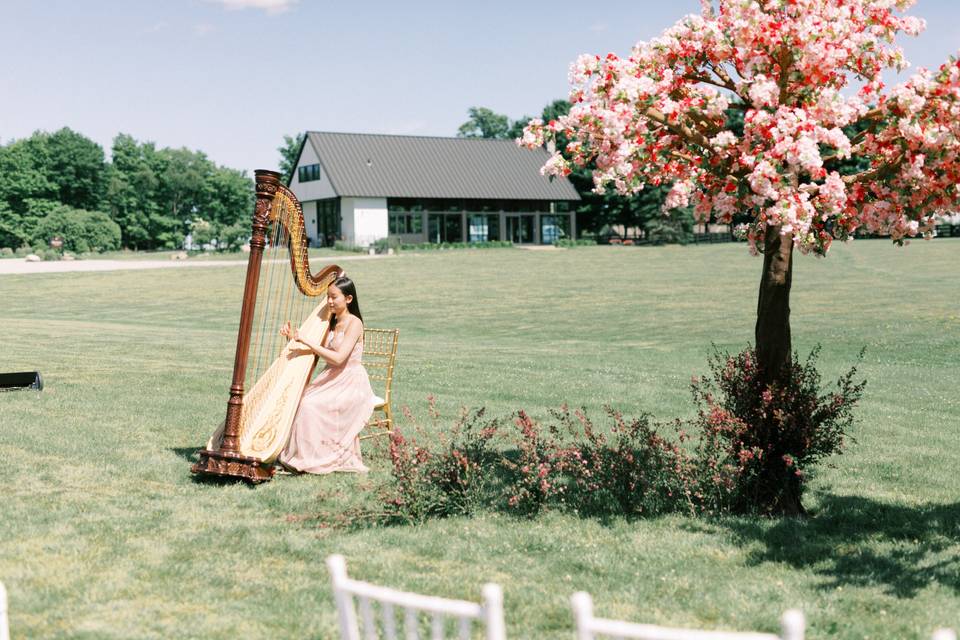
(360, 188)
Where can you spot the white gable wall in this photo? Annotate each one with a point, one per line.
(315, 189)
(364, 220)
(310, 220)
(308, 192)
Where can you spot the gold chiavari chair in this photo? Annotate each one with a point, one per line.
(379, 357)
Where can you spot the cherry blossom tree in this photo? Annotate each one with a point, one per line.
(807, 76)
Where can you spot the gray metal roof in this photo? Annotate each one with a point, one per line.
(372, 165)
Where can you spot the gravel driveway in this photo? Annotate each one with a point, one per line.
(18, 266)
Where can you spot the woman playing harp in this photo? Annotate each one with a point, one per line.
(269, 373)
(334, 407)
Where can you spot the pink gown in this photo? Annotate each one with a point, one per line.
(333, 409)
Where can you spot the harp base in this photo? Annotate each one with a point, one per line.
(232, 465)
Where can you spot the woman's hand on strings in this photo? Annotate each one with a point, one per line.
(289, 332)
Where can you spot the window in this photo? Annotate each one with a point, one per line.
(478, 229)
(482, 228)
(308, 172)
(552, 228)
(406, 222)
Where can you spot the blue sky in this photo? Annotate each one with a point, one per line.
(231, 77)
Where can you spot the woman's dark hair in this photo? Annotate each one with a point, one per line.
(347, 288)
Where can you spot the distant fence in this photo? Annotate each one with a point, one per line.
(943, 231)
(709, 238)
(948, 230)
(694, 238)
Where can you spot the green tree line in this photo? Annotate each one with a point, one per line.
(61, 184)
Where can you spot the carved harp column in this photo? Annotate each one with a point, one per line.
(253, 430)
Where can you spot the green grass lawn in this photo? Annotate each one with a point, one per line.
(104, 533)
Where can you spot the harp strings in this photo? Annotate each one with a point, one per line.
(265, 295)
(281, 296)
(282, 285)
(306, 300)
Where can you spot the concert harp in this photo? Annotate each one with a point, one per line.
(269, 372)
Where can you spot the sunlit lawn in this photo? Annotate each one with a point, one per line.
(104, 534)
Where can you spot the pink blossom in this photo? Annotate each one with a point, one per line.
(723, 139)
(532, 134)
(678, 196)
(557, 165)
(764, 92)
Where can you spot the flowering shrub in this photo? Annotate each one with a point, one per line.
(632, 471)
(566, 464)
(757, 440)
(449, 480)
(752, 449)
(537, 475)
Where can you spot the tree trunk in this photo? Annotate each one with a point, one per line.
(774, 352)
(772, 333)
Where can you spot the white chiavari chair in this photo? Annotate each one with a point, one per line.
(4, 627)
(589, 627)
(384, 611)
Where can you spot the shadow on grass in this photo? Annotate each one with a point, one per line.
(187, 453)
(190, 454)
(856, 541)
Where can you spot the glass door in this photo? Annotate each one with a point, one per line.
(519, 229)
(445, 227)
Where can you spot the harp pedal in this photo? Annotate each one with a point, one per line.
(227, 464)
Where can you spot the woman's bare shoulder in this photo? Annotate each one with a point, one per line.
(353, 323)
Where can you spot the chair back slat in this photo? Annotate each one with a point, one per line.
(436, 627)
(380, 354)
(366, 612)
(4, 626)
(410, 624)
(588, 627)
(389, 621)
(379, 359)
(429, 612)
(493, 612)
(465, 629)
(346, 614)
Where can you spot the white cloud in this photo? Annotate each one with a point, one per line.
(598, 27)
(201, 30)
(270, 6)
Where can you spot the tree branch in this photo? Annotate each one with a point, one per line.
(683, 156)
(696, 77)
(785, 60)
(881, 170)
(682, 130)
